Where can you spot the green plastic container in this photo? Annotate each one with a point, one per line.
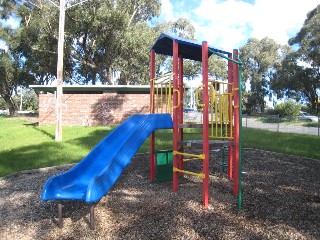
(164, 165)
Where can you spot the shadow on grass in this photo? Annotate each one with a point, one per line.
(48, 154)
(35, 126)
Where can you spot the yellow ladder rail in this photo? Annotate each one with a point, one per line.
(199, 156)
(190, 159)
(200, 175)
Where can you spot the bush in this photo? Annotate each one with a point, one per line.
(288, 109)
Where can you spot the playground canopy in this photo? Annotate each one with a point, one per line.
(188, 49)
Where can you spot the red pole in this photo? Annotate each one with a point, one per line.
(181, 90)
(230, 89)
(152, 99)
(175, 113)
(236, 126)
(205, 136)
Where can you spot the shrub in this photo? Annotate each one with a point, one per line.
(288, 109)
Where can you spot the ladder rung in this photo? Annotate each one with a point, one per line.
(190, 159)
(199, 156)
(200, 175)
(190, 125)
(193, 132)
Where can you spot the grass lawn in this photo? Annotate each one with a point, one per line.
(288, 143)
(25, 145)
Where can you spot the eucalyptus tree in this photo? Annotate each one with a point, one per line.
(259, 57)
(111, 36)
(12, 75)
(308, 38)
(8, 80)
(97, 36)
(299, 75)
(297, 81)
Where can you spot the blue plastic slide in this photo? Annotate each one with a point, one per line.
(93, 177)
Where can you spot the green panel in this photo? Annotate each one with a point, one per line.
(164, 165)
(164, 158)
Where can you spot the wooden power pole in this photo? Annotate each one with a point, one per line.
(59, 92)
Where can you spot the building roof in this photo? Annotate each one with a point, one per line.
(188, 49)
(93, 88)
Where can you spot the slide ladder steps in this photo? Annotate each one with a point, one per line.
(195, 157)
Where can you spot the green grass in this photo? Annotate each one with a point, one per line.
(288, 143)
(28, 146)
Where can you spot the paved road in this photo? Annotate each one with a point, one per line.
(281, 127)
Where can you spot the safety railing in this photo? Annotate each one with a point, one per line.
(221, 108)
(162, 94)
(162, 98)
(221, 112)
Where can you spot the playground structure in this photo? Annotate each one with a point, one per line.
(95, 175)
(220, 102)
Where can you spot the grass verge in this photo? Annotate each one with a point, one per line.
(288, 143)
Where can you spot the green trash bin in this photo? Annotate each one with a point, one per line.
(164, 165)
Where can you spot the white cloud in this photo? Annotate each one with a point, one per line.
(222, 24)
(227, 24)
(167, 10)
(279, 19)
(3, 45)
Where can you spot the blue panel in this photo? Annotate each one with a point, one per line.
(93, 177)
(188, 49)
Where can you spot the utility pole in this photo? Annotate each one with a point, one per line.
(59, 92)
(63, 5)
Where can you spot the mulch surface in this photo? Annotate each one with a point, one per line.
(281, 200)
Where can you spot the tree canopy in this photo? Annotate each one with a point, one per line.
(308, 38)
(298, 77)
(11, 76)
(259, 57)
(99, 36)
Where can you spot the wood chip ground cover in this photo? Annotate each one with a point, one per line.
(281, 200)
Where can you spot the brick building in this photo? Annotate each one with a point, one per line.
(93, 105)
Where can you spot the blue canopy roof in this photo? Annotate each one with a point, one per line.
(188, 49)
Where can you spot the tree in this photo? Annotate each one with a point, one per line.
(3, 104)
(217, 68)
(133, 66)
(8, 82)
(11, 75)
(111, 36)
(308, 38)
(259, 57)
(299, 75)
(297, 81)
(96, 35)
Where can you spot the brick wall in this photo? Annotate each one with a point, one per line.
(93, 109)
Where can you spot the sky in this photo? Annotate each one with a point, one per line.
(227, 24)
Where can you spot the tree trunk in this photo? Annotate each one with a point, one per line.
(11, 105)
(110, 76)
